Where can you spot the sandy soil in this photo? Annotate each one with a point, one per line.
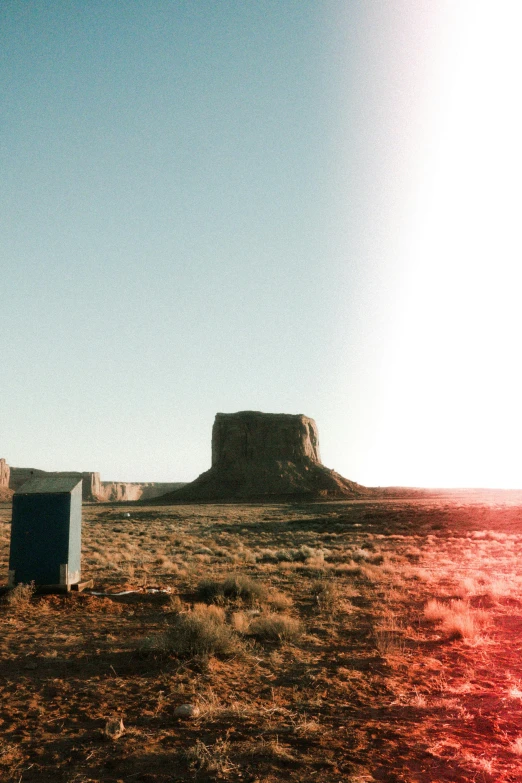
(402, 661)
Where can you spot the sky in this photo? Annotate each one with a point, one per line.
(293, 207)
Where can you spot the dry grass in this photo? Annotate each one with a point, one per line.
(271, 749)
(19, 598)
(200, 632)
(457, 619)
(272, 627)
(323, 642)
(234, 588)
(212, 758)
(327, 597)
(303, 554)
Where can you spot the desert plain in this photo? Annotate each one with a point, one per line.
(348, 641)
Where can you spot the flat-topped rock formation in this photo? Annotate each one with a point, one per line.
(94, 490)
(263, 456)
(252, 438)
(4, 473)
(118, 491)
(5, 492)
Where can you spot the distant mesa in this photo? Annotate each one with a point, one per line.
(265, 456)
(5, 472)
(93, 489)
(5, 492)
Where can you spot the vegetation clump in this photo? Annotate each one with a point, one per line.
(302, 554)
(19, 597)
(326, 596)
(234, 588)
(457, 619)
(272, 627)
(201, 632)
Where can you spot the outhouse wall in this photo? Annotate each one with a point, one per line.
(46, 536)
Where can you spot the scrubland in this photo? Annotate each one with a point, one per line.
(348, 641)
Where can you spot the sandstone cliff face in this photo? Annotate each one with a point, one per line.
(4, 473)
(265, 456)
(5, 493)
(252, 437)
(123, 491)
(94, 490)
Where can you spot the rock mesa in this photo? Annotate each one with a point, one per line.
(94, 490)
(265, 456)
(5, 492)
(4, 473)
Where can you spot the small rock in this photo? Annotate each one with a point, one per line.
(187, 711)
(114, 729)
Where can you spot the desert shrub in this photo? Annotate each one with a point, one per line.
(435, 610)
(326, 596)
(367, 556)
(236, 587)
(267, 556)
(300, 555)
(389, 642)
(270, 749)
(303, 554)
(457, 618)
(19, 597)
(245, 554)
(210, 591)
(175, 604)
(279, 600)
(389, 635)
(212, 759)
(500, 588)
(240, 622)
(217, 613)
(461, 626)
(372, 572)
(271, 627)
(348, 569)
(201, 632)
(244, 588)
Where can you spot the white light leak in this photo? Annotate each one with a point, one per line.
(452, 389)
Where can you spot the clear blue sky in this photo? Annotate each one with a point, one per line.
(223, 206)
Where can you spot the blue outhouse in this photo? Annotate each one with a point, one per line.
(46, 532)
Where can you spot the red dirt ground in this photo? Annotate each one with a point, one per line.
(373, 690)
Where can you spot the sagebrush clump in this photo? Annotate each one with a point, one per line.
(234, 588)
(326, 597)
(271, 627)
(19, 597)
(458, 619)
(201, 632)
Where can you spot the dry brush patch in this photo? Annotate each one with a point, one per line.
(327, 641)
